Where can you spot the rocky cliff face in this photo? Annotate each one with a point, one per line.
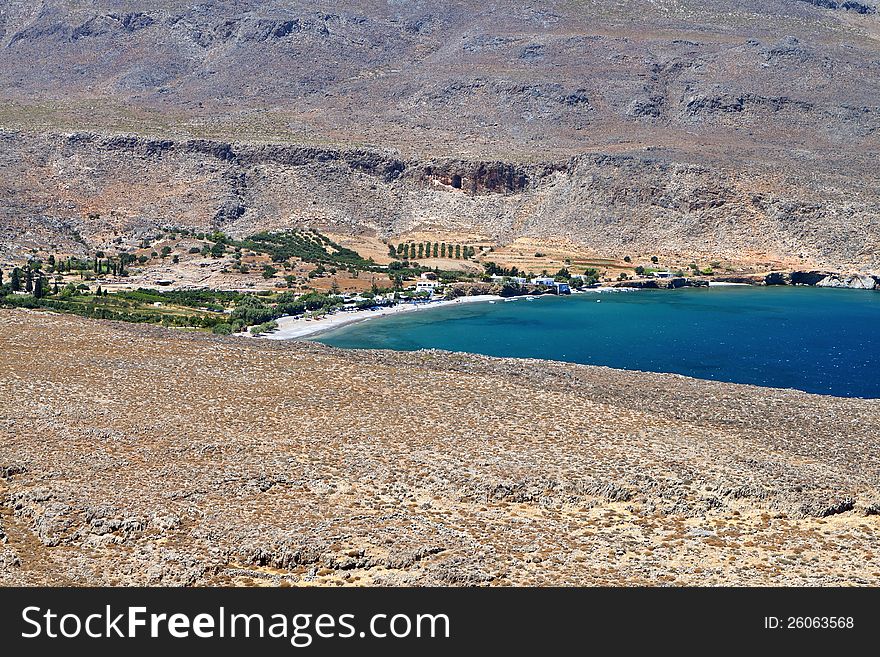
(85, 186)
(853, 280)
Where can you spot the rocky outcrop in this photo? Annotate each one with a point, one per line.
(855, 281)
(843, 5)
(663, 283)
(852, 281)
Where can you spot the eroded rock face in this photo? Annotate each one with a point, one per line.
(852, 281)
(83, 187)
(478, 178)
(855, 281)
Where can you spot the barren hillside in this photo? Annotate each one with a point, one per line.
(139, 455)
(738, 129)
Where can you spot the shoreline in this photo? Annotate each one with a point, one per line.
(301, 328)
(298, 328)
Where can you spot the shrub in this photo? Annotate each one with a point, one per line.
(265, 327)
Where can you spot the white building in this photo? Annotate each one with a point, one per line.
(427, 286)
(495, 278)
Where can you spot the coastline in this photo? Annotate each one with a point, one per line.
(298, 328)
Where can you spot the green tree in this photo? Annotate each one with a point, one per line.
(655, 259)
(269, 271)
(29, 280)
(436, 249)
(640, 270)
(627, 259)
(421, 250)
(39, 291)
(458, 251)
(166, 251)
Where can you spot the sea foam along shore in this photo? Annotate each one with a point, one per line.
(295, 328)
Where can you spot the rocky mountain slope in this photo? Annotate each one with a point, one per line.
(743, 130)
(138, 455)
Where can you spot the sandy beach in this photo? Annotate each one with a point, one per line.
(294, 328)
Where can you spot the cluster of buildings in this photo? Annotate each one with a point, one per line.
(560, 287)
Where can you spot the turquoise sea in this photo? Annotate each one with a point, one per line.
(819, 340)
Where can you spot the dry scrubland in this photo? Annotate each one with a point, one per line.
(137, 455)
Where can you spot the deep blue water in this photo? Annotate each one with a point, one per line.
(818, 340)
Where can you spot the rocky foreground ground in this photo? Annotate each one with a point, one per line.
(139, 455)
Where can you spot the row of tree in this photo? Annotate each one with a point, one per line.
(414, 250)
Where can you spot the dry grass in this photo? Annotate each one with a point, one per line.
(136, 455)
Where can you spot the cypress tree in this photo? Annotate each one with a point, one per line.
(1, 277)
(29, 280)
(458, 251)
(436, 248)
(38, 288)
(15, 280)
